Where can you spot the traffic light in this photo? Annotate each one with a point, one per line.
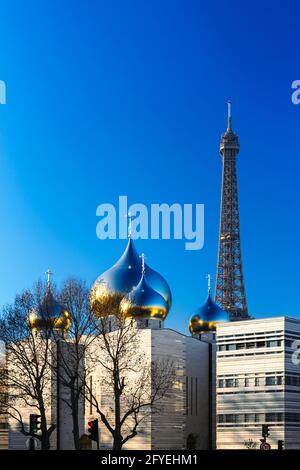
(93, 430)
(34, 424)
(280, 445)
(265, 431)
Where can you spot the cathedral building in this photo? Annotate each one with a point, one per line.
(183, 419)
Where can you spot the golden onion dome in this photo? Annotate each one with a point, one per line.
(144, 302)
(111, 286)
(49, 315)
(206, 317)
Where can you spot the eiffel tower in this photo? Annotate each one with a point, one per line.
(230, 289)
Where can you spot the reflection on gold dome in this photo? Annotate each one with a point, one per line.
(111, 286)
(37, 321)
(198, 326)
(144, 302)
(105, 303)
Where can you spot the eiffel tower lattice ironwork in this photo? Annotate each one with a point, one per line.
(230, 289)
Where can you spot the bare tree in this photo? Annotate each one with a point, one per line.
(131, 385)
(73, 362)
(27, 376)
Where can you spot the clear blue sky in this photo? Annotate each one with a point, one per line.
(106, 98)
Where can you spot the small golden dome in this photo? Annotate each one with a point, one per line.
(207, 317)
(144, 302)
(49, 315)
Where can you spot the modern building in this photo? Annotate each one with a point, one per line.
(258, 382)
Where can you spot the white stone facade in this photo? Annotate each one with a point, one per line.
(183, 413)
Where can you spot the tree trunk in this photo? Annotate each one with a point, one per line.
(117, 441)
(45, 440)
(74, 402)
(117, 445)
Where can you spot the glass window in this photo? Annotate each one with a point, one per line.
(221, 383)
(257, 381)
(247, 382)
(273, 344)
(279, 380)
(271, 380)
(231, 418)
(276, 417)
(229, 383)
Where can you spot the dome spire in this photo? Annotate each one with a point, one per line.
(208, 277)
(49, 274)
(129, 224)
(143, 257)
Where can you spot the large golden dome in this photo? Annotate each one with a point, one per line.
(144, 302)
(50, 314)
(111, 286)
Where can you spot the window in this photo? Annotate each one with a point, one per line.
(231, 418)
(229, 382)
(271, 380)
(221, 383)
(247, 382)
(147, 323)
(276, 417)
(227, 418)
(273, 344)
(261, 344)
(257, 381)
